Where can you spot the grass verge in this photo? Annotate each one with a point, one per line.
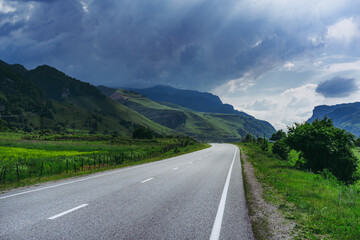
(27, 160)
(321, 207)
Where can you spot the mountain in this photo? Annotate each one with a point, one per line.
(205, 126)
(20, 99)
(47, 98)
(198, 101)
(345, 116)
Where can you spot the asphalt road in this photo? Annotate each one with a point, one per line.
(195, 196)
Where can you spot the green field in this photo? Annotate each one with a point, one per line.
(322, 207)
(30, 158)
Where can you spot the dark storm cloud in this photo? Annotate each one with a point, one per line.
(194, 44)
(337, 87)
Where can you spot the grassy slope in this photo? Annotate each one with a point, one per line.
(309, 199)
(204, 126)
(72, 102)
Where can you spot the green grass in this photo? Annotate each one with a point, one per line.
(63, 175)
(29, 158)
(313, 201)
(17, 152)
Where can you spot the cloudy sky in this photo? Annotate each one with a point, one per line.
(274, 59)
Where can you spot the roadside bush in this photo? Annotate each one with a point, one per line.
(325, 147)
(143, 133)
(281, 149)
(265, 145)
(357, 142)
(278, 135)
(249, 138)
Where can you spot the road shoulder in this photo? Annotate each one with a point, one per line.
(266, 219)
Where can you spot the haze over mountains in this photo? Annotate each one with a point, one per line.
(45, 98)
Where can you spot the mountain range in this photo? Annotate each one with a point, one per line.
(46, 98)
(197, 114)
(345, 116)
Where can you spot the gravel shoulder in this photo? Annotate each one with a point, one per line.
(266, 219)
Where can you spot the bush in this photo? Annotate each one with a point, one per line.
(325, 147)
(264, 144)
(143, 133)
(357, 142)
(249, 138)
(281, 149)
(278, 135)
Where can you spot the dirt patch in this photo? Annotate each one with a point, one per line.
(266, 219)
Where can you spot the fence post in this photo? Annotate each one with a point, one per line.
(41, 169)
(1, 175)
(67, 166)
(17, 171)
(82, 164)
(5, 174)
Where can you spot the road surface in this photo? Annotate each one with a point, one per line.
(195, 196)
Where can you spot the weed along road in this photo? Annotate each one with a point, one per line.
(194, 196)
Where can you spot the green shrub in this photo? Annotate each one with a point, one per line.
(325, 147)
(281, 149)
(278, 135)
(143, 133)
(249, 138)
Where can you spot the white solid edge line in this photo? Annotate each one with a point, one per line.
(149, 179)
(68, 211)
(215, 233)
(100, 175)
(175, 168)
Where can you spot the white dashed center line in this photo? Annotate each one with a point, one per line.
(146, 180)
(175, 168)
(68, 211)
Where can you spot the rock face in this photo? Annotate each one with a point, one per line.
(345, 116)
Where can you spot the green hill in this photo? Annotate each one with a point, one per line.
(45, 98)
(203, 126)
(21, 101)
(345, 116)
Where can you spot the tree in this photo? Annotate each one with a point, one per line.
(281, 149)
(357, 142)
(143, 133)
(325, 147)
(264, 144)
(278, 135)
(249, 138)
